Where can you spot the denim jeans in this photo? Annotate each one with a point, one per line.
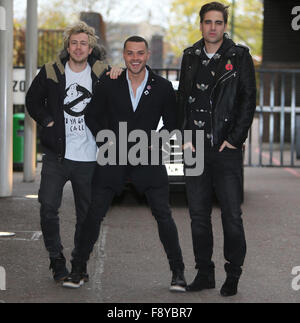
(158, 199)
(223, 176)
(54, 176)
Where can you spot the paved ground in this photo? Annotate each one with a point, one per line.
(128, 264)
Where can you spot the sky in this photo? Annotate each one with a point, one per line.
(123, 10)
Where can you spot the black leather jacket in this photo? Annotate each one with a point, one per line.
(233, 98)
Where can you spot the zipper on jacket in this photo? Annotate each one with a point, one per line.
(211, 123)
(219, 80)
(234, 75)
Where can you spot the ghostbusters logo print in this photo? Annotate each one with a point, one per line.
(75, 103)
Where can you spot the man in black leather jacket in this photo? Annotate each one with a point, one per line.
(217, 94)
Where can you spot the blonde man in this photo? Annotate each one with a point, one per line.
(57, 101)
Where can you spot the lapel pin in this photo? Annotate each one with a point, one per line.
(229, 66)
(198, 52)
(146, 92)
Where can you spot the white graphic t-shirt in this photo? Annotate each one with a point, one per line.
(80, 143)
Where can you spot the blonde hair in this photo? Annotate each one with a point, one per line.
(78, 28)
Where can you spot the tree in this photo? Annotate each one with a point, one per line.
(19, 44)
(54, 17)
(249, 25)
(185, 24)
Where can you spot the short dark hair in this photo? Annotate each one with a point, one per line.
(136, 39)
(217, 6)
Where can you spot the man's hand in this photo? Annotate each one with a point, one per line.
(51, 124)
(188, 145)
(115, 72)
(226, 144)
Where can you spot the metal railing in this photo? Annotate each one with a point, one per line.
(273, 139)
(171, 74)
(50, 42)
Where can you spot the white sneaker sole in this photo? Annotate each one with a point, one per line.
(177, 289)
(73, 285)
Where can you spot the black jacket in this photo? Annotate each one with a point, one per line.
(45, 99)
(233, 98)
(111, 104)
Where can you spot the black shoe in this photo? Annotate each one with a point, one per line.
(59, 269)
(77, 277)
(178, 283)
(230, 286)
(202, 281)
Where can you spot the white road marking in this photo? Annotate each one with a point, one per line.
(34, 236)
(100, 256)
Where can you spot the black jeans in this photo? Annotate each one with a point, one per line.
(222, 175)
(54, 176)
(158, 199)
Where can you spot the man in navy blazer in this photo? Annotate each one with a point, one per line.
(139, 99)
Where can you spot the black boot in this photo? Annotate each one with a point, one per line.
(202, 281)
(59, 269)
(230, 286)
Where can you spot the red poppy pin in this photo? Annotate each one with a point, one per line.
(229, 66)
